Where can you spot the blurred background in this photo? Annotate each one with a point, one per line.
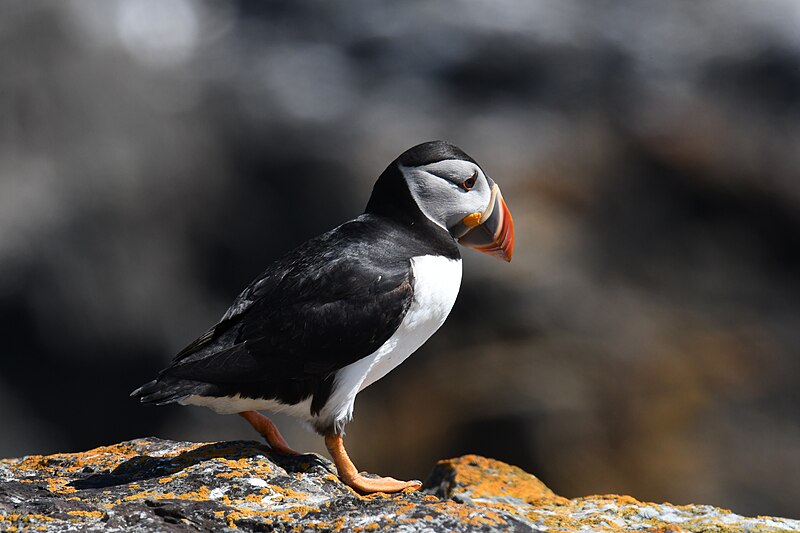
(156, 155)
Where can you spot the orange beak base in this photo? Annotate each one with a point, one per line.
(495, 235)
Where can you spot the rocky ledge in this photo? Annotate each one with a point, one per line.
(152, 484)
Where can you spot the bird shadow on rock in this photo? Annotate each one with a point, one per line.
(144, 467)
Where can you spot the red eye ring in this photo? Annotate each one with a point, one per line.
(469, 183)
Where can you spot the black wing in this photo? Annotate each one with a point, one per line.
(326, 304)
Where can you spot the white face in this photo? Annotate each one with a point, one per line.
(442, 190)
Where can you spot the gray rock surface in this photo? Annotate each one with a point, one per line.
(152, 484)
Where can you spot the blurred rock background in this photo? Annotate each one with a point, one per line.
(155, 155)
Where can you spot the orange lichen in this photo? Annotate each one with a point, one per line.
(487, 478)
(201, 494)
(290, 514)
(237, 468)
(612, 498)
(470, 515)
(338, 524)
(229, 475)
(105, 457)
(497, 490)
(147, 494)
(87, 514)
(406, 507)
(59, 485)
(257, 497)
(290, 493)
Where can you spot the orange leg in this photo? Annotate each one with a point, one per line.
(350, 476)
(267, 429)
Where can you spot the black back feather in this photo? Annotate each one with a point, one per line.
(330, 302)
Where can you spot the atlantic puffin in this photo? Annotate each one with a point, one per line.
(343, 309)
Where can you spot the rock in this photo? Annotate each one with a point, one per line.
(153, 484)
(490, 484)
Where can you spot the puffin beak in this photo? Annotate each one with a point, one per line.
(490, 232)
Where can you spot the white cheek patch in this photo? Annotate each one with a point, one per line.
(436, 191)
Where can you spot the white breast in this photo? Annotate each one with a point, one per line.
(436, 283)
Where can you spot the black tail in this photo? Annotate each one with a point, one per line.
(168, 390)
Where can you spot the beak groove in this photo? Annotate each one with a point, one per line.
(494, 235)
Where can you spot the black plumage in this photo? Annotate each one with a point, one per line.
(343, 309)
(326, 304)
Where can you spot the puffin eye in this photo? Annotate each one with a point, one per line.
(469, 183)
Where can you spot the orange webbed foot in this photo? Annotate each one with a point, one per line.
(388, 485)
(351, 477)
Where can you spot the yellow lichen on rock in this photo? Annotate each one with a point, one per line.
(150, 484)
(491, 478)
(486, 483)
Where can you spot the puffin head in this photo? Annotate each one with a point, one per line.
(451, 190)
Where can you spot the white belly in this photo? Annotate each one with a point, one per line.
(436, 283)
